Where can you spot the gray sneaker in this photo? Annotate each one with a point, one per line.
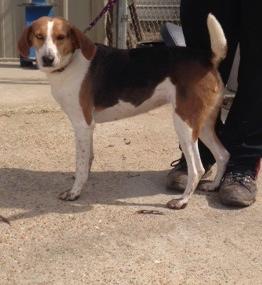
(238, 189)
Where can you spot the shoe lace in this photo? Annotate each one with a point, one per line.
(243, 179)
(181, 161)
(175, 163)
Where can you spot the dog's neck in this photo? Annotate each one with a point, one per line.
(61, 69)
(76, 65)
(71, 78)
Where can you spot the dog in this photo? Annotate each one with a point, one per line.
(95, 84)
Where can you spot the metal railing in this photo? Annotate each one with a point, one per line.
(141, 20)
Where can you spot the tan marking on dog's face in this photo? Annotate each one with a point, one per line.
(62, 37)
(67, 38)
(39, 32)
(199, 92)
(33, 36)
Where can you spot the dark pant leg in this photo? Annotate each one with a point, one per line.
(193, 16)
(194, 23)
(243, 129)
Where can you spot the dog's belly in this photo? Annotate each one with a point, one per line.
(162, 95)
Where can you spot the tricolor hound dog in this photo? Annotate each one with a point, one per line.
(96, 84)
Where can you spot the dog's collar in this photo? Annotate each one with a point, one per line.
(61, 69)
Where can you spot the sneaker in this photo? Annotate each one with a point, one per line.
(177, 177)
(239, 186)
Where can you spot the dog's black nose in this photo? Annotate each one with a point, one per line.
(48, 60)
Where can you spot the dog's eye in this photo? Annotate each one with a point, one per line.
(61, 37)
(39, 36)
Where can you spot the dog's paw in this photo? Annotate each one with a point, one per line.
(68, 196)
(207, 186)
(177, 204)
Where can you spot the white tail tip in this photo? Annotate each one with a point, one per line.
(217, 39)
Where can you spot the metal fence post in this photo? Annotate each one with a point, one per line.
(122, 19)
(65, 9)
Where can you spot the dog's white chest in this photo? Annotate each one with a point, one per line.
(66, 86)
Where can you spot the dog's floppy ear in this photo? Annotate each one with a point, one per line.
(25, 42)
(81, 41)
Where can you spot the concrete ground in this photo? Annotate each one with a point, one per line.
(100, 239)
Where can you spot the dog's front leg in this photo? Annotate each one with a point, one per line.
(83, 140)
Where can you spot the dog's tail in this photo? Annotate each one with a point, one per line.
(217, 39)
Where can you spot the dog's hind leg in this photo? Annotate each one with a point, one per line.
(221, 155)
(195, 168)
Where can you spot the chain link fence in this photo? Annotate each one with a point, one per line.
(145, 18)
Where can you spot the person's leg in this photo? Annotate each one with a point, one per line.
(243, 128)
(242, 134)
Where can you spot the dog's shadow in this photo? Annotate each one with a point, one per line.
(32, 193)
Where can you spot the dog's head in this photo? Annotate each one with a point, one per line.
(55, 41)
